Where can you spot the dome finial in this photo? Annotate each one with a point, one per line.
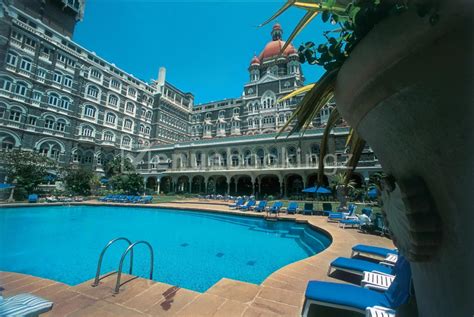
(277, 32)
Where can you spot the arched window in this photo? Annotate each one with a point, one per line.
(67, 81)
(58, 77)
(7, 143)
(12, 58)
(235, 158)
(92, 92)
(90, 111)
(221, 114)
(108, 136)
(208, 116)
(15, 114)
(113, 100)
(126, 141)
(147, 130)
(110, 118)
(130, 107)
(25, 64)
(261, 156)
(87, 131)
(6, 83)
(132, 92)
(236, 111)
(53, 99)
(49, 122)
(128, 124)
(95, 74)
(142, 128)
(3, 109)
(21, 88)
(115, 84)
(61, 125)
(273, 156)
(149, 115)
(65, 103)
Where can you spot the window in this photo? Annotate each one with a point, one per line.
(41, 73)
(236, 111)
(147, 130)
(53, 99)
(87, 131)
(208, 116)
(128, 124)
(142, 112)
(93, 91)
(58, 77)
(142, 128)
(2, 110)
(115, 84)
(130, 107)
(25, 64)
(126, 141)
(113, 100)
(15, 115)
(17, 36)
(65, 103)
(32, 120)
(61, 125)
(49, 123)
(95, 74)
(108, 136)
(67, 81)
(132, 92)
(37, 95)
(6, 84)
(21, 88)
(148, 115)
(12, 59)
(31, 43)
(89, 111)
(110, 118)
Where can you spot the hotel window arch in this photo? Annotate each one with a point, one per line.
(6, 83)
(268, 99)
(292, 155)
(142, 112)
(50, 149)
(96, 74)
(58, 77)
(108, 136)
(281, 118)
(61, 125)
(3, 109)
(236, 111)
(67, 81)
(130, 107)
(147, 130)
(250, 123)
(113, 100)
(149, 114)
(12, 58)
(88, 157)
(235, 158)
(93, 92)
(132, 92)
(273, 156)
(110, 118)
(126, 141)
(128, 124)
(208, 116)
(260, 157)
(25, 64)
(142, 128)
(76, 155)
(248, 158)
(221, 114)
(115, 84)
(65, 103)
(90, 111)
(53, 99)
(7, 142)
(16, 114)
(49, 122)
(21, 88)
(88, 131)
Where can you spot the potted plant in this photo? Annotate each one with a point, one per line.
(401, 73)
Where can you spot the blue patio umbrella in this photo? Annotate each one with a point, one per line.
(6, 186)
(104, 180)
(317, 190)
(373, 193)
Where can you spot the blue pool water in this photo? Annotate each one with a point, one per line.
(193, 250)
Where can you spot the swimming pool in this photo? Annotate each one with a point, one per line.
(192, 249)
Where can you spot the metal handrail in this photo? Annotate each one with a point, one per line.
(119, 271)
(99, 265)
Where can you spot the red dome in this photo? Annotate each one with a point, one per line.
(255, 60)
(273, 48)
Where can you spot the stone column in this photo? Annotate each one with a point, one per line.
(158, 181)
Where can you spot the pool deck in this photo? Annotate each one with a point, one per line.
(280, 294)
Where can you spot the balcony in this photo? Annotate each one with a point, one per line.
(86, 139)
(107, 143)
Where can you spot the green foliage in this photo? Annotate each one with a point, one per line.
(131, 183)
(27, 170)
(81, 181)
(118, 166)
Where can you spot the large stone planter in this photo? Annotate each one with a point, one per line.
(408, 90)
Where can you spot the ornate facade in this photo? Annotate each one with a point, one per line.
(69, 104)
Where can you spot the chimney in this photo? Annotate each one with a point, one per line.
(161, 77)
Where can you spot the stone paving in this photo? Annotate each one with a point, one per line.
(281, 294)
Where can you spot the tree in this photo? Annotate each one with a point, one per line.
(130, 183)
(342, 188)
(118, 166)
(81, 180)
(26, 169)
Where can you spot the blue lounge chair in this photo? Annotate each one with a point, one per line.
(356, 266)
(292, 208)
(327, 209)
(372, 250)
(146, 199)
(33, 198)
(24, 305)
(237, 204)
(275, 209)
(308, 209)
(105, 198)
(261, 206)
(248, 205)
(336, 216)
(356, 298)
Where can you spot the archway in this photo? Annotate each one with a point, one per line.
(198, 185)
(152, 183)
(221, 185)
(294, 185)
(244, 185)
(166, 185)
(313, 180)
(269, 185)
(182, 186)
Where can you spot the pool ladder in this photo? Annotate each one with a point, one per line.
(124, 255)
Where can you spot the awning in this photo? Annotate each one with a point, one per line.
(317, 190)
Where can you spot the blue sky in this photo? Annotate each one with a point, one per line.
(206, 46)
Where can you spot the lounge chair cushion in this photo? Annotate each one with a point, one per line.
(24, 305)
(383, 252)
(345, 295)
(359, 265)
(350, 221)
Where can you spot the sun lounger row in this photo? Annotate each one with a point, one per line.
(251, 204)
(127, 199)
(384, 287)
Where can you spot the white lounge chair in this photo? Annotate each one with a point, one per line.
(378, 281)
(379, 311)
(25, 305)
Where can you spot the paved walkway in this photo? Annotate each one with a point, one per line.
(281, 294)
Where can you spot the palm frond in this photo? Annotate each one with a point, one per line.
(308, 17)
(297, 92)
(349, 137)
(332, 120)
(312, 102)
(357, 147)
(321, 6)
(285, 7)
